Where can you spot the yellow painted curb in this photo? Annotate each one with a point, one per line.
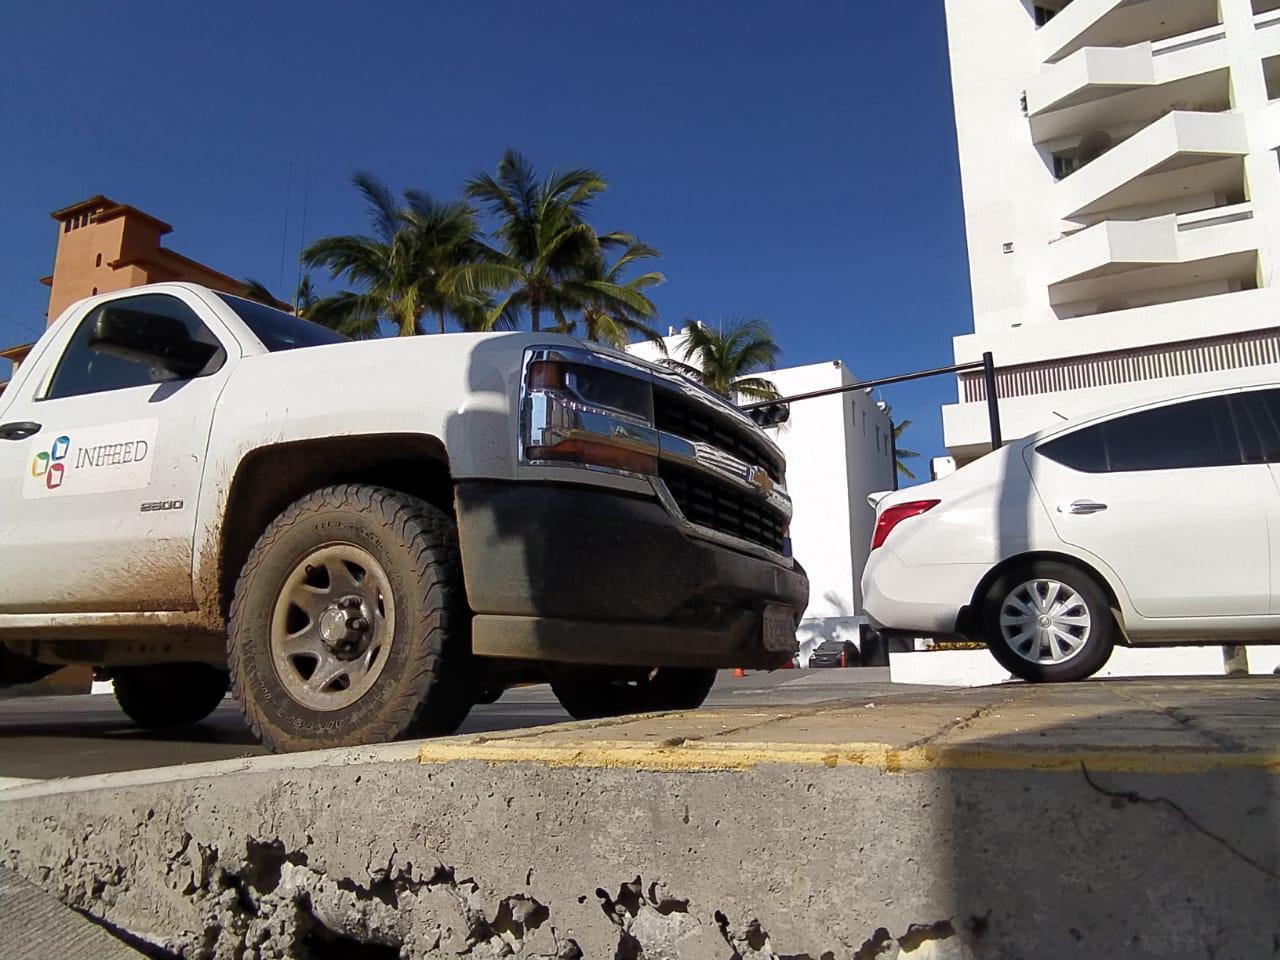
(699, 756)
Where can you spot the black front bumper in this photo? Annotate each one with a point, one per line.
(584, 575)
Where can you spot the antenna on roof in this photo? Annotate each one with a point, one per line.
(302, 236)
(284, 231)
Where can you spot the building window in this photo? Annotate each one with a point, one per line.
(66, 226)
(99, 261)
(1065, 164)
(1046, 10)
(94, 292)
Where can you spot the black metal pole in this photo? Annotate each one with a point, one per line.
(893, 452)
(864, 385)
(993, 402)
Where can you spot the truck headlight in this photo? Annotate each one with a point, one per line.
(587, 409)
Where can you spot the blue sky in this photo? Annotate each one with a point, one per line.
(794, 161)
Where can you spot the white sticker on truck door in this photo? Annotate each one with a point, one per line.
(101, 459)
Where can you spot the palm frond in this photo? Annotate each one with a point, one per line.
(257, 291)
(383, 209)
(472, 279)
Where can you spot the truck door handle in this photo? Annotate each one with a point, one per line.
(18, 430)
(1083, 507)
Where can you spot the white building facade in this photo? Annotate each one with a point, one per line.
(1121, 181)
(839, 450)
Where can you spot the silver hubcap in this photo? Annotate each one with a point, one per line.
(332, 627)
(1044, 621)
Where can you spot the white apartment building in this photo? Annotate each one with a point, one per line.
(1121, 181)
(839, 449)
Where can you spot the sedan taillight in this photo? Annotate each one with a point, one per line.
(895, 514)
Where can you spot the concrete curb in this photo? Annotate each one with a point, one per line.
(1123, 819)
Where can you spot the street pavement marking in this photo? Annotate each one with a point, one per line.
(697, 756)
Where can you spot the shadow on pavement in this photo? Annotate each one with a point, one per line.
(1161, 844)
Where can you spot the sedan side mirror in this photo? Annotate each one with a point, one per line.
(148, 338)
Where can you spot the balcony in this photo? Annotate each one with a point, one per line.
(1121, 23)
(1101, 88)
(1117, 247)
(1180, 155)
(1120, 265)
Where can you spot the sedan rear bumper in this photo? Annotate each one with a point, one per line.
(917, 600)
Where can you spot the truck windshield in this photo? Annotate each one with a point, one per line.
(279, 330)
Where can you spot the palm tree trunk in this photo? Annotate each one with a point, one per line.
(535, 313)
(440, 317)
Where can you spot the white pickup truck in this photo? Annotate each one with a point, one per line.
(364, 539)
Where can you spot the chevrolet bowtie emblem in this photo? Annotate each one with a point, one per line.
(759, 478)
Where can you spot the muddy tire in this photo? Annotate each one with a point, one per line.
(169, 694)
(349, 623)
(589, 693)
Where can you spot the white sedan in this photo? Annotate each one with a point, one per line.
(1157, 525)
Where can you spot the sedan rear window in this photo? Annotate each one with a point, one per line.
(1195, 433)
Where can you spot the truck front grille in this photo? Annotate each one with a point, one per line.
(723, 508)
(678, 415)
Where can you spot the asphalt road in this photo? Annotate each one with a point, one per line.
(42, 737)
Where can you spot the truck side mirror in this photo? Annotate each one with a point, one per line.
(148, 338)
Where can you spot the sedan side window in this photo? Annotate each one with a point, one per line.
(1195, 433)
(83, 370)
(1257, 415)
(1082, 450)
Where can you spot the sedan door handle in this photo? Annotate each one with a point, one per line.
(1083, 507)
(18, 430)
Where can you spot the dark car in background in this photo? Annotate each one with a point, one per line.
(835, 653)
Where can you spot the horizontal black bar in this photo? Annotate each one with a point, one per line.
(867, 384)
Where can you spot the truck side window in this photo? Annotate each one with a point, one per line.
(82, 370)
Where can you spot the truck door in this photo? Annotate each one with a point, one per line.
(101, 457)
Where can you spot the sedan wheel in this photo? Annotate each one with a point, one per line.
(1048, 622)
(1045, 621)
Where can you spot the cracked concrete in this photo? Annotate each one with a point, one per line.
(937, 827)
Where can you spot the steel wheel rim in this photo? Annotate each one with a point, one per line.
(1045, 621)
(323, 656)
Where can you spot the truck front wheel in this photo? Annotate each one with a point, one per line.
(169, 694)
(349, 624)
(589, 693)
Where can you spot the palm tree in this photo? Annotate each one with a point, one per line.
(416, 241)
(723, 359)
(607, 317)
(305, 299)
(546, 251)
(902, 453)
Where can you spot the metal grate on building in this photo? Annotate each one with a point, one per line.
(1238, 351)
